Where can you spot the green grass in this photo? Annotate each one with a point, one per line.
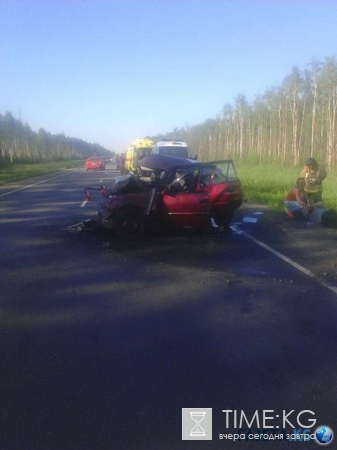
(16, 172)
(269, 184)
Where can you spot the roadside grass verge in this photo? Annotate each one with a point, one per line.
(262, 183)
(17, 172)
(269, 184)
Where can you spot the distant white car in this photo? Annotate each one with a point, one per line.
(177, 148)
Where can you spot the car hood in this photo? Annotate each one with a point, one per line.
(129, 183)
(163, 162)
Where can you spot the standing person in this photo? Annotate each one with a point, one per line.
(313, 176)
(297, 203)
(121, 161)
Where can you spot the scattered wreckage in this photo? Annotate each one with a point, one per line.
(178, 193)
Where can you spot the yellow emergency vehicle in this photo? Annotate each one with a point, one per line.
(138, 149)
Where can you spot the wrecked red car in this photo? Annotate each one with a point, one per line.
(178, 193)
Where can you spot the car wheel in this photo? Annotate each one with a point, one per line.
(130, 224)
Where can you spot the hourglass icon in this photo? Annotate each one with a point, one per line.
(197, 430)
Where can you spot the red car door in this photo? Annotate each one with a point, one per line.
(225, 187)
(185, 206)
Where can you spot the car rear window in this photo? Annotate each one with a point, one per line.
(93, 159)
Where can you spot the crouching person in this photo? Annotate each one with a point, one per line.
(296, 203)
(299, 204)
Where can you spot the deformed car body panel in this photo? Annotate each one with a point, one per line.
(164, 162)
(187, 209)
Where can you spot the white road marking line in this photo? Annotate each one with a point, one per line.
(35, 184)
(84, 203)
(285, 258)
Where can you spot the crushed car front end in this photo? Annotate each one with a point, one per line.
(126, 206)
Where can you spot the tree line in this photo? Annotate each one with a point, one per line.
(19, 144)
(285, 124)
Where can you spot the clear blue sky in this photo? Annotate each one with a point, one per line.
(111, 71)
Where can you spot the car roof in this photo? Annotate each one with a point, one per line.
(142, 142)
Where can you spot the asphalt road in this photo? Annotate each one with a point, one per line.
(104, 343)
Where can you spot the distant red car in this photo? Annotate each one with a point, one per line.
(181, 193)
(94, 163)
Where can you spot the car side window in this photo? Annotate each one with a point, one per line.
(191, 181)
(224, 172)
(205, 177)
(187, 182)
(219, 177)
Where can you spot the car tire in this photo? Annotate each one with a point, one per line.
(130, 224)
